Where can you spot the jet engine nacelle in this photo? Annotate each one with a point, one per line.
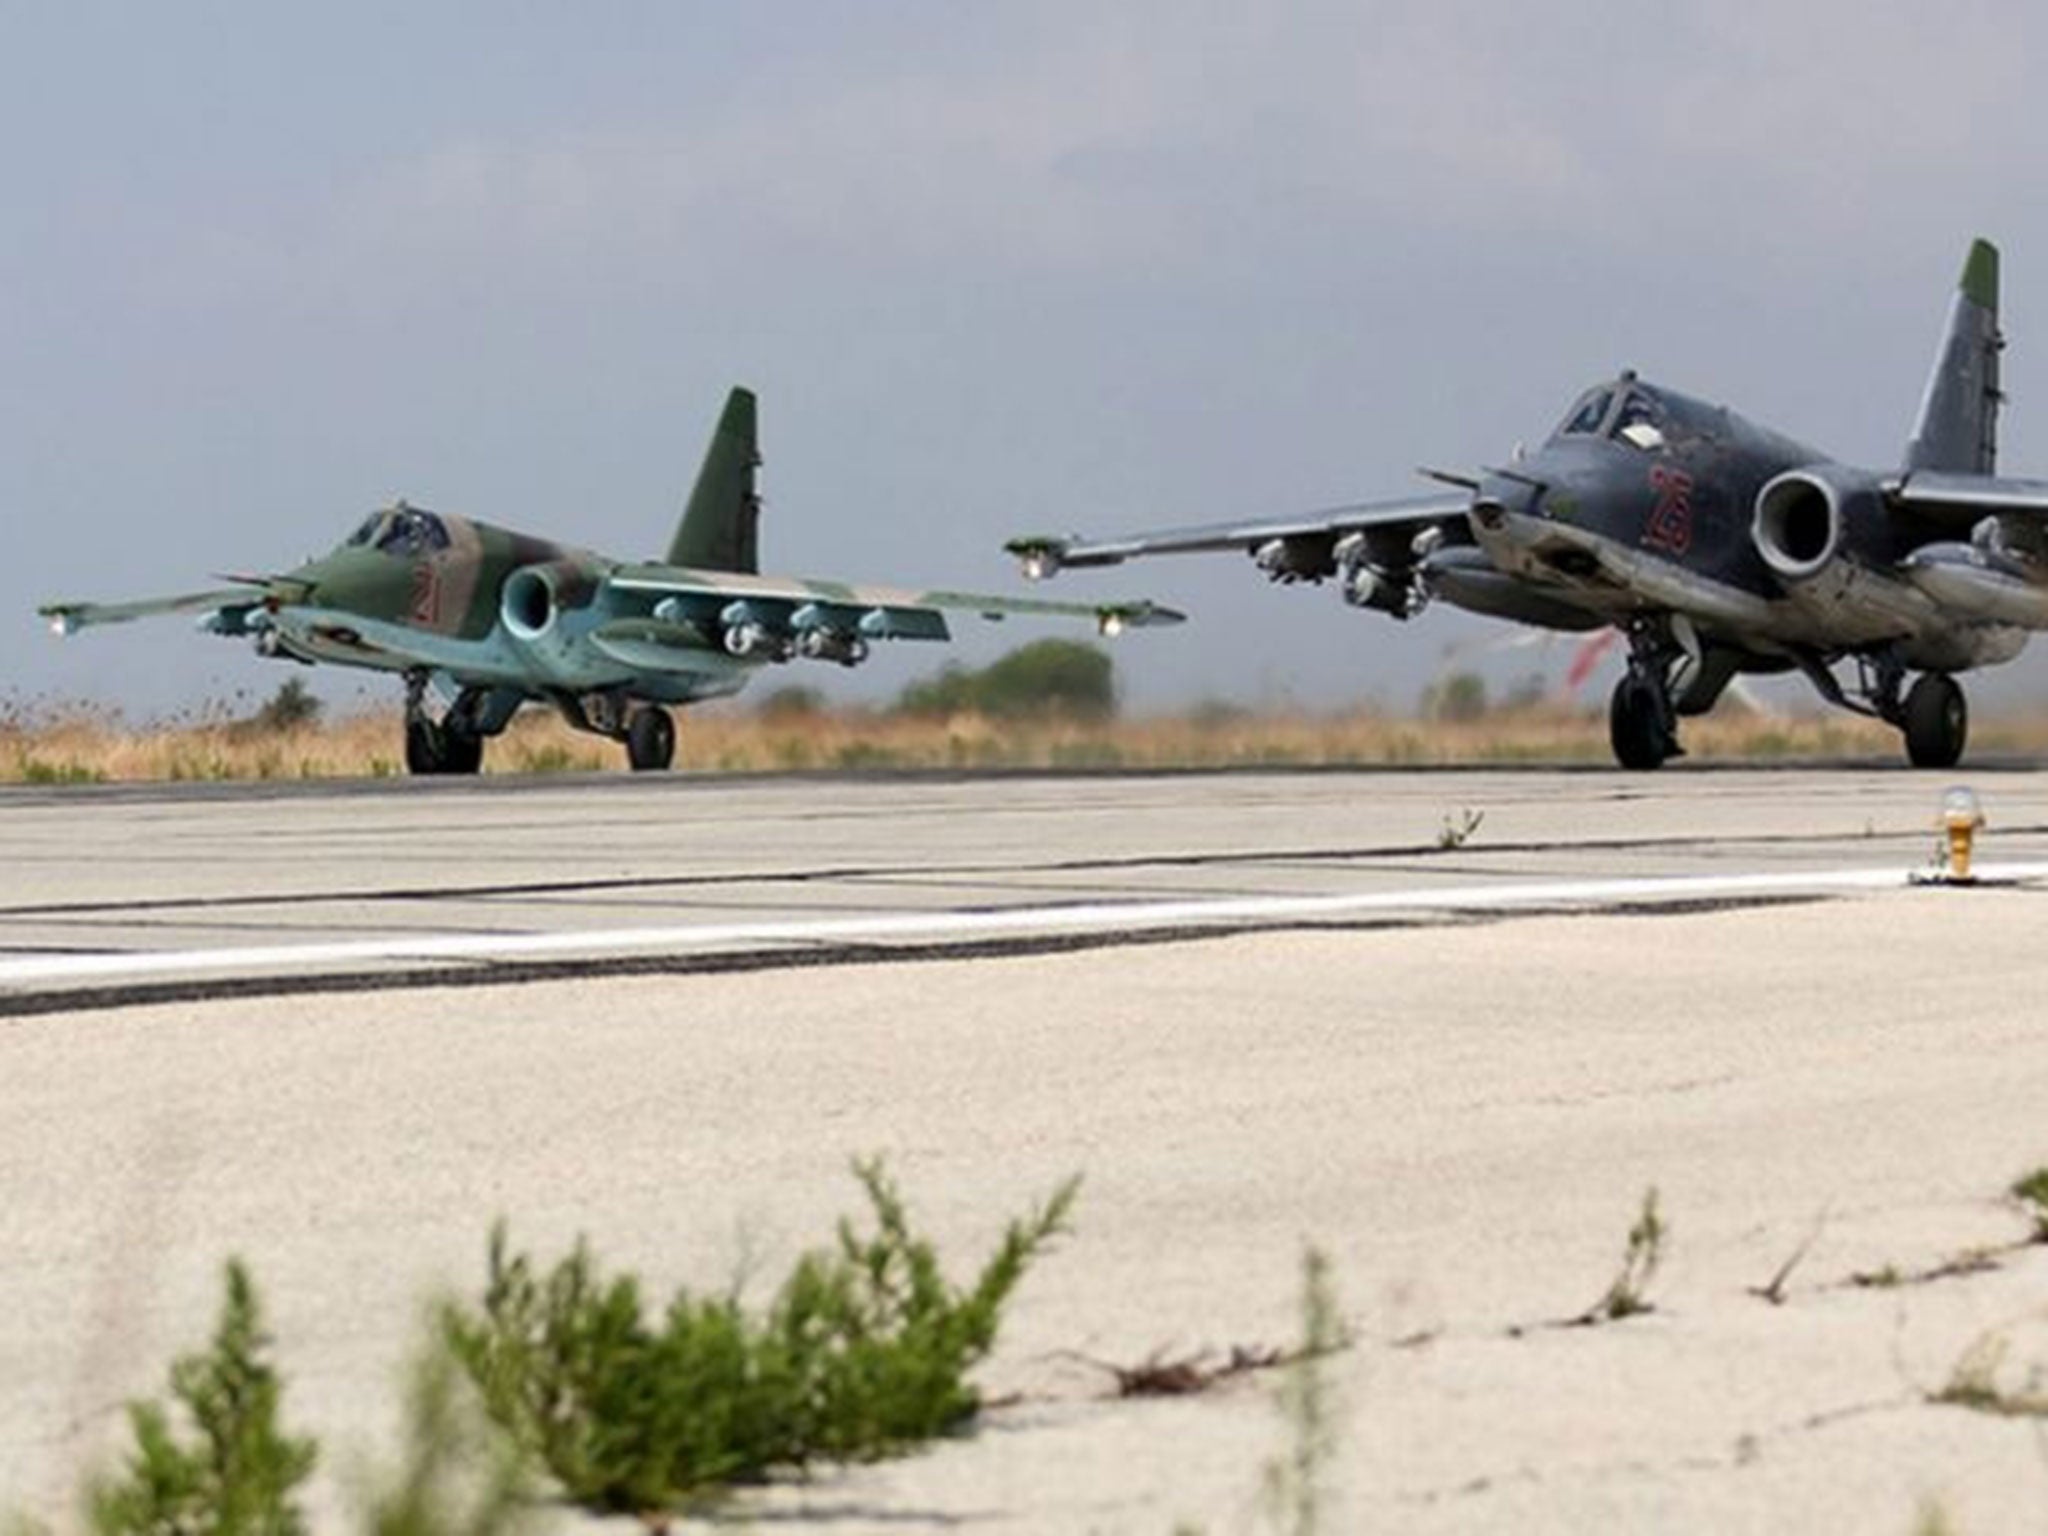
(1807, 519)
(534, 595)
(1824, 532)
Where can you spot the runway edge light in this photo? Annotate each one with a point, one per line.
(1961, 818)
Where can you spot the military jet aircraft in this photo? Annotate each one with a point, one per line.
(1717, 546)
(490, 619)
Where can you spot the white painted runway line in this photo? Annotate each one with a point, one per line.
(980, 924)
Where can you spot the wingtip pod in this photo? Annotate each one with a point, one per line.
(1113, 619)
(1980, 274)
(1038, 555)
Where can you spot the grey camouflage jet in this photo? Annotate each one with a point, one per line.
(1716, 545)
(489, 619)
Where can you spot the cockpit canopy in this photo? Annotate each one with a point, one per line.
(401, 530)
(1631, 412)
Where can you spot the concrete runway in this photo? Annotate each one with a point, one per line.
(337, 1031)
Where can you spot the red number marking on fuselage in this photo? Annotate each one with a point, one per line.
(426, 595)
(1670, 524)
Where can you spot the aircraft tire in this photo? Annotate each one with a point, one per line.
(1633, 727)
(461, 751)
(433, 748)
(423, 746)
(651, 739)
(1936, 721)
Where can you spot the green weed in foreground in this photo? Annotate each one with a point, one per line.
(237, 1471)
(2031, 1191)
(863, 1350)
(1297, 1496)
(458, 1476)
(1627, 1294)
(1457, 833)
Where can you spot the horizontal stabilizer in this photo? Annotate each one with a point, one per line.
(1963, 499)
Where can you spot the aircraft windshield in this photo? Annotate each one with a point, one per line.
(1586, 416)
(402, 530)
(1634, 414)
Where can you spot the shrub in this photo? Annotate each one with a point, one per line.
(1047, 677)
(1461, 697)
(35, 770)
(2031, 1191)
(1051, 677)
(952, 690)
(292, 706)
(863, 1350)
(794, 701)
(236, 1475)
(458, 1475)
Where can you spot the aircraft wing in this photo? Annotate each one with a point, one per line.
(706, 601)
(231, 603)
(1964, 499)
(1044, 554)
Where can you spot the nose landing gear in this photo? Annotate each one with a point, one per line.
(1642, 720)
(1637, 725)
(452, 744)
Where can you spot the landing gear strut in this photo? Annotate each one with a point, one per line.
(452, 744)
(648, 730)
(1932, 714)
(1642, 722)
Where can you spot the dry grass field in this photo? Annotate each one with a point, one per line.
(80, 745)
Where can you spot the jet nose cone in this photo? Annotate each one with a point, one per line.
(331, 581)
(1505, 493)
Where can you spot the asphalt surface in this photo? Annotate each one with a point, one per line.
(1446, 1026)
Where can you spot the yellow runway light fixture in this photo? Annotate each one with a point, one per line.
(1961, 817)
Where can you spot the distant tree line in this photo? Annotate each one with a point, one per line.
(1047, 677)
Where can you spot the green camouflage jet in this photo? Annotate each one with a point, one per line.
(489, 620)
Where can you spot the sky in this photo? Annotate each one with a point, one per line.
(993, 268)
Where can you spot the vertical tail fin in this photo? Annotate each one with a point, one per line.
(718, 530)
(1958, 426)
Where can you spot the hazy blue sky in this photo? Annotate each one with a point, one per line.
(992, 266)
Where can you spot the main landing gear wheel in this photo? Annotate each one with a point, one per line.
(431, 747)
(1635, 725)
(651, 739)
(1936, 721)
